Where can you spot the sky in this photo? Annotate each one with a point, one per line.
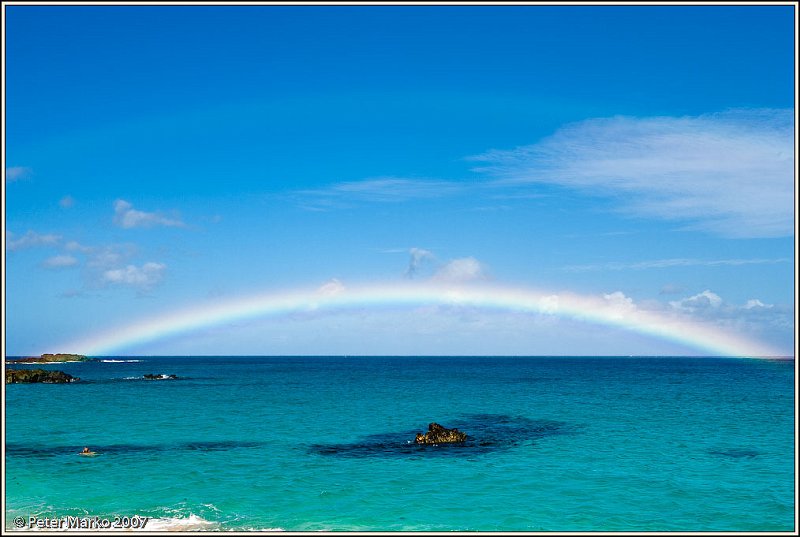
(172, 171)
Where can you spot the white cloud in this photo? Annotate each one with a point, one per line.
(16, 173)
(730, 174)
(756, 303)
(144, 277)
(110, 265)
(699, 302)
(29, 240)
(127, 217)
(66, 202)
(549, 304)
(461, 270)
(754, 317)
(60, 261)
(618, 304)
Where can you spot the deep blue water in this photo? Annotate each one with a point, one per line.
(325, 443)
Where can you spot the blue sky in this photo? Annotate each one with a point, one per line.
(168, 157)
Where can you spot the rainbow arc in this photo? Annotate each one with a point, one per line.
(610, 310)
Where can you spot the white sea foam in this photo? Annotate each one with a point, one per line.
(190, 523)
(120, 361)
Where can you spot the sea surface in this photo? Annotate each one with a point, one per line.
(326, 443)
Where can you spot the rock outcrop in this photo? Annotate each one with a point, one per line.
(27, 376)
(160, 377)
(51, 358)
(440, 435)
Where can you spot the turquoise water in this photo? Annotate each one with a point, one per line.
(322, 443)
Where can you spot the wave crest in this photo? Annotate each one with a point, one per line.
(190, 523)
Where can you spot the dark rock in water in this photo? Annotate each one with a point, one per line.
(160, 377)
(51, 359)
(27, 376)
(440, 435)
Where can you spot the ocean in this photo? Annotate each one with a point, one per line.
(326, 443)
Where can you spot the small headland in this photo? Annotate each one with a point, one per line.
(51, 359)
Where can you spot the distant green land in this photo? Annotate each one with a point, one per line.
(51, 358)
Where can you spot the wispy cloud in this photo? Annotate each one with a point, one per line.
(331, 287)
(110, 265)
(60, 261)
(127, 217)
(30, 240)
(75, 246)
(102, 258)
(66, 202)
(417, 257)
(379, 189)
(729, 174)
(676, 262)
(671, 289)
(16, 173)
(142, 278)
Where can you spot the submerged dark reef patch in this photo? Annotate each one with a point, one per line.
(34, 451)
(735, 453)
(486, 433)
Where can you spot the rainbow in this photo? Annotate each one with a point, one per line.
(613, 310)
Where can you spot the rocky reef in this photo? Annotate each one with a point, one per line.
(28, 376)
(440, 435)
(51, 358)
(488, 433)
(151, 376)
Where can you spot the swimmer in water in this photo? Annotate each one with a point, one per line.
(87, 451)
